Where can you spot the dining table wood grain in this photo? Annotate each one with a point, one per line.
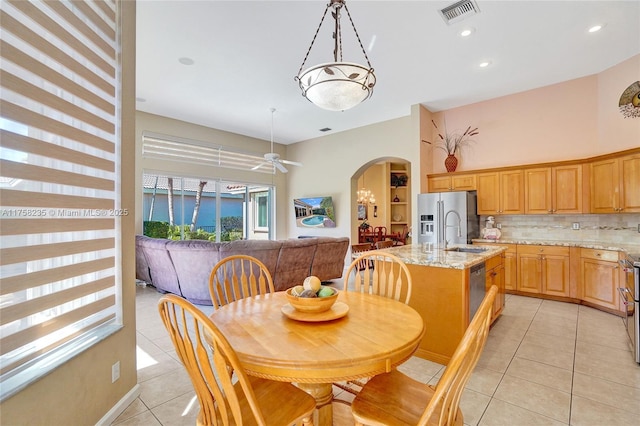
(376, 335)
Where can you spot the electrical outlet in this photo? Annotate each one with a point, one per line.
(575, 225)
(115, 372)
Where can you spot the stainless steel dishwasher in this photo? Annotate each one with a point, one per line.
(477, 288)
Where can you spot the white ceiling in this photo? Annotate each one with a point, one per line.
(246, 54)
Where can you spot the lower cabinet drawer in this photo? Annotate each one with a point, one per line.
(596, 254)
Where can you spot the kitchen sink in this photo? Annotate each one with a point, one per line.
(467, 249)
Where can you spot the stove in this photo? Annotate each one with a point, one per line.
(630, 295)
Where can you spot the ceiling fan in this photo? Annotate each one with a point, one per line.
(274, 158)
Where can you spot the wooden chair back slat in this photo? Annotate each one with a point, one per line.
(237, 277)
(386, 275)
(225, 392)
(449, 389)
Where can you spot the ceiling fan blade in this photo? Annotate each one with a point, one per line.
(280, 167)
(258, 166)
(293, 163)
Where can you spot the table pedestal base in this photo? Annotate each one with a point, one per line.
(323, 394)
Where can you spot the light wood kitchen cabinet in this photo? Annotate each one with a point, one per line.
(495, 276)
(544, 270)
(551, 190)
(600, 278)
(500, 192)
(615, 186)
(465, 182)
(510, 261)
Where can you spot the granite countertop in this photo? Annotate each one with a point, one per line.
(427, 255)
(631, 247)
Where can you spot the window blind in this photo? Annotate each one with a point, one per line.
(162, 147)
(59, 183)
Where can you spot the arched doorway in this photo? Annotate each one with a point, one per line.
(388, 179)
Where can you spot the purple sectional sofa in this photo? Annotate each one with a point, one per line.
(183, 267)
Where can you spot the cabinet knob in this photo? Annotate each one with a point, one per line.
(598, 254)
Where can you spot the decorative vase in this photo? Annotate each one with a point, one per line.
(451, 162)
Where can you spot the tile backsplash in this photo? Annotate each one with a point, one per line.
(611, 228)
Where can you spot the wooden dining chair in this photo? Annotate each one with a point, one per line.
(396, 399)
(387, 275)
(400, 239)
(227, 395)
(357, 250)
(384, 244)
(236, 277)
(379, 234)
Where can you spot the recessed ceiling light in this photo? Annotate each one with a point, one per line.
(141, 100)
(595, 28)
(186, 61)
(325, 129)
(466, 32)
(484, 64)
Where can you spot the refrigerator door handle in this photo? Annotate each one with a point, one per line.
(441, 224)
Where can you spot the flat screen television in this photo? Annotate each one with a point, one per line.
(314, 212)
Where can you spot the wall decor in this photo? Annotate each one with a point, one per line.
(630, 101)
(315, 212)
(362, 212)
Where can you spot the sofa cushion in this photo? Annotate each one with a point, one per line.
(193, 261)
(266, 251)
(142, 266)
(294, 263)
(328, 261)
(163, 274)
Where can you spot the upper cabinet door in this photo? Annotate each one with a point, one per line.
(630, 184)
(615, 185)
(488, 193)
(537, 191)
(512, 192)
(605, 186)
(566, 193)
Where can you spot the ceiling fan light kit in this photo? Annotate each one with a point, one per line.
(338, 85)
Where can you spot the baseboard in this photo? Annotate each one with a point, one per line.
(122, 405)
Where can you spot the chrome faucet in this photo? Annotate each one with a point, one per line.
(459, 226)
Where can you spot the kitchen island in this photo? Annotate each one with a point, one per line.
(447, 284)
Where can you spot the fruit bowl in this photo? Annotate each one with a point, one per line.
(312, 304)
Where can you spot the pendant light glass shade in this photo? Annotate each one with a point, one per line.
(337, 86)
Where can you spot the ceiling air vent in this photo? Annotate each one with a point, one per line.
(458, 11)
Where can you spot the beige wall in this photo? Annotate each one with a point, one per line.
(574, 119)
(80, 392)
(333, 163)
(161, 125)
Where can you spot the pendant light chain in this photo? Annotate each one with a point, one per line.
(357, 36)
(314, 39)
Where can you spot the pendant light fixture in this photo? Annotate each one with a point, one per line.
(365, 196)
(337, 85)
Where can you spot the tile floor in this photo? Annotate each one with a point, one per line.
(545, 363)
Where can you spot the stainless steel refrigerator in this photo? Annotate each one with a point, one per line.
(448, 216)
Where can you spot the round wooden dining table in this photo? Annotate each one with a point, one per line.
(375, 335)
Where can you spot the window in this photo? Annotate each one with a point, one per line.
(208, 209)
(60, 206)
(262, 211)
